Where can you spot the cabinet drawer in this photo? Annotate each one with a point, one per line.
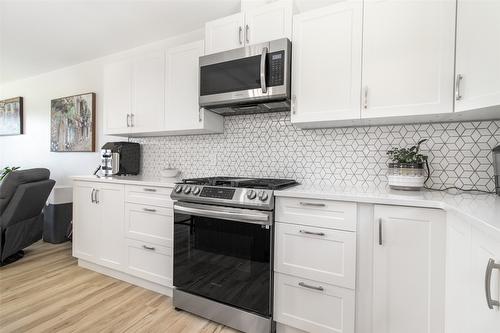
(318, 213)
(149, 223)
(313, 306)
(148, 195)
(319, 254)
(150, 262)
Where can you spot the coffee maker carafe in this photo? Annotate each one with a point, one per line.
(120, 158)
(496, 167)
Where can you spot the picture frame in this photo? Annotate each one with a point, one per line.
(11, 116)
(72, 123)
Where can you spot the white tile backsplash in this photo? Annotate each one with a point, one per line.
(268, 145)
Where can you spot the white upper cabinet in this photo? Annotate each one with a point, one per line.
(148, 92)
(270, 22)
(408, 270)
(182, 111)
(117, 97)
(408, 57)
(326, 81)
(225, 33)
(478, 52)
(261, 24)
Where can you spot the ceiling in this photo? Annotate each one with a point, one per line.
(41, 36)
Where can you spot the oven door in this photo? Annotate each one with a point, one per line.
(224, 254)
(250, 74)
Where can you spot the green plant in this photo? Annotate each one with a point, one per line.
(410, 155)
(6, 171)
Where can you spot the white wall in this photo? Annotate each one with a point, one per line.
(32, 149)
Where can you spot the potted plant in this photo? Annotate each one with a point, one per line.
(5, 171)
(407, 167)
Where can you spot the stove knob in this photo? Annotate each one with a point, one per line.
(178, 189)
(196, 190)
(263, 196)
(251, 194)
(187, 189)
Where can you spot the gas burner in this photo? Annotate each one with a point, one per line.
(241, 182)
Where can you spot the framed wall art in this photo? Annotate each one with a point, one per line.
(11, 116)
(72, 123)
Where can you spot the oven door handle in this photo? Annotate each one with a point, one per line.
(239, 215)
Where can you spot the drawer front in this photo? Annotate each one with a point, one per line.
(148, 195)
(150, 262)
(149, 223)
(320, 254)
(313, 306)
(317, 213)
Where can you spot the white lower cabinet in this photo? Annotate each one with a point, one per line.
(409, 251)
(313, 306)
(126, 228)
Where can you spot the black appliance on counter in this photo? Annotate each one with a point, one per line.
(120, 158)
(223, 249)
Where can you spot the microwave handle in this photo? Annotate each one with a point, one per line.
(263, 70)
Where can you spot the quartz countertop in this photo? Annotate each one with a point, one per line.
(130, 180)
(481, 208)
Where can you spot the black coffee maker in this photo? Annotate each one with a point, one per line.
(120, 158)
(496, 167)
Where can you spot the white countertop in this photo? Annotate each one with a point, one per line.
(482, 208)
(129, 180)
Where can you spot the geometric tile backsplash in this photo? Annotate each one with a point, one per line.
(268, 145)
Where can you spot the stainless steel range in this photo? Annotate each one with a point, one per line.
(223, 249)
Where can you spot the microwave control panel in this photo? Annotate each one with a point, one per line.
(276, 68)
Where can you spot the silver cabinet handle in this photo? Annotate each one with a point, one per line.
(294, 104)
(92, 195)
(380, 242)
(263, 70)
(305, 285)
(150, 189)
(199, 115)
(132, 120)
(365, 98)
(247, 30)
(149, 210)
(312, 233)
(240, 31)
(128, 120)
(458, 94)
(312, 204)
(150, 248)
(487, 283)
(97, 196)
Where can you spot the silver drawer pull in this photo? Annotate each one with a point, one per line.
(312, 233)
(150, 189)
(312, 204)
(319, 288)
(149, 247)
(487, 283)
(149, 210)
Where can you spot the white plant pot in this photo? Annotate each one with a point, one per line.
(406, 178)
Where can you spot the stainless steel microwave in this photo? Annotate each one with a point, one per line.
(250, 79)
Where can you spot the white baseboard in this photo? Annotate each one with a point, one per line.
(167, 291)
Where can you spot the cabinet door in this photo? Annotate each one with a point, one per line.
(478, 54)
(408, 270)
(326, 64)
(117, 81)
(182, 109)
(148, 92)
(86, 221)
(408, 57)
(110, 237)
(270, 22)
(485, 245)
(224, 34)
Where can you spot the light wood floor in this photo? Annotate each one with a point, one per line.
(47, 292)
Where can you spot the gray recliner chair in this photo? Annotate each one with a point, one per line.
(23, 194)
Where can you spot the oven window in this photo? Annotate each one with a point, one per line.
(225, 261)
(229, 76)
